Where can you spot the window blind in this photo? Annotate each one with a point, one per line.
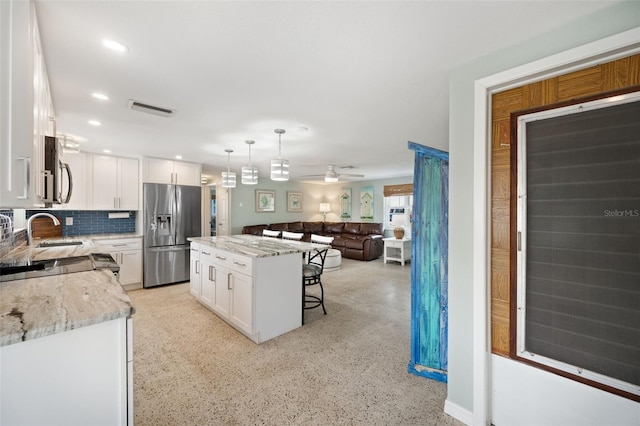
(404, 189)
(583, 240)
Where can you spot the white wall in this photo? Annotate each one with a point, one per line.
(243, 201)
(460, 398)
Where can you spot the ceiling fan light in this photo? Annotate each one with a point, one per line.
(330, 179)
(249, 175)
(280, 169)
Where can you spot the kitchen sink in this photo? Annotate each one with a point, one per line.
(64, 265)
(59, 243)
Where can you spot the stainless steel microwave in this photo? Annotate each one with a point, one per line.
(54, 168)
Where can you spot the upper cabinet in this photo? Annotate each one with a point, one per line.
(26, 107)
(115, 183)
(157, 170)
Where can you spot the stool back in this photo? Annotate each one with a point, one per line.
(297, 236)
(268, 233)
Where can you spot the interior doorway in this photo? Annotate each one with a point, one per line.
(214, 210)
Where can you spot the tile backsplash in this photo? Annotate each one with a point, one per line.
(85, 222)
(90, 222)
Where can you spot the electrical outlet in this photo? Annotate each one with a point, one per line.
(69, 221)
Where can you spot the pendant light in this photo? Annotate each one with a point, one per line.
(228, 177)
(280, 166)
(249, 173)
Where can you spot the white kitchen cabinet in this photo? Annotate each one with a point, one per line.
(207, 277)
(195, 270)
(77, 377)
(26, 107)
(115, 183)
(127, 252)
(241, 301)
(259, 296)
(156, 170)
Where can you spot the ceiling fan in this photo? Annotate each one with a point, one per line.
(332, 175)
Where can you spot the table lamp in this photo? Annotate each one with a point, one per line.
(324, 209)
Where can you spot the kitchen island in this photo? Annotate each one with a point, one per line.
(253, 283)
(65, 345)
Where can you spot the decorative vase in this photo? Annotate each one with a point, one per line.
(398, 232)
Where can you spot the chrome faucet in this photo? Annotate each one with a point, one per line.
(56, 222)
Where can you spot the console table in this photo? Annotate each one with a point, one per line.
(398, 250)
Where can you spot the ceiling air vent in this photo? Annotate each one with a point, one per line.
(149, 109)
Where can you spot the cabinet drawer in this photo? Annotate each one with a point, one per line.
(206, 253)
(119, 244)
(195, 251)
(235, 262)
(243, 264)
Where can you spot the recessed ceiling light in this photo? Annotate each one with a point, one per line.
(100, 96)
(178, 157)
(106, 151)
(95, 123)
(114, 45)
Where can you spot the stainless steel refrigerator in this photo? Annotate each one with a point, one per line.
(171, 215)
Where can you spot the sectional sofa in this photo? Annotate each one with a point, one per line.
(355, 240)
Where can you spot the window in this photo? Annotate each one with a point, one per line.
(578, 241)
(398, 205)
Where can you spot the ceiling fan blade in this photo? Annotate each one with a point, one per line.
(320, 175)
(350, 174)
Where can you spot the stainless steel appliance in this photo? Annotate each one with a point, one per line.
(53, 174)
(21, 270)
(171, 215)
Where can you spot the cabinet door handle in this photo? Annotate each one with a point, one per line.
(229, 281)
(25, 185)
(211, 269)
(197, 264)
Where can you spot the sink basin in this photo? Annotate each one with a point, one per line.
(60, 243)
(43, 268)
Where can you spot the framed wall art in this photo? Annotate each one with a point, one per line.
(265, 200)
(366, 203)
(294, 201)
(345, 204)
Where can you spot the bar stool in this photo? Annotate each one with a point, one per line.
(312, 273)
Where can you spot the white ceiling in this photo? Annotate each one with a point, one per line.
(363, 77)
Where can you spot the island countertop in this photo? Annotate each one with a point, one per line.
(255, 246)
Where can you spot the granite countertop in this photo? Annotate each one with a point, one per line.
(255, 246)
(26, 252)
(38, 307)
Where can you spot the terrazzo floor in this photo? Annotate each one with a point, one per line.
(346, 368)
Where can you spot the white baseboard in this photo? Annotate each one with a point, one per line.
(458, 413)
(133, 286)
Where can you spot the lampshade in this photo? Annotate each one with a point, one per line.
(279, 166)
(249, 173)
(228, 177)
(325, 207)
(398, 220)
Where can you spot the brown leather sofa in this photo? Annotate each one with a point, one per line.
(355, 240)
